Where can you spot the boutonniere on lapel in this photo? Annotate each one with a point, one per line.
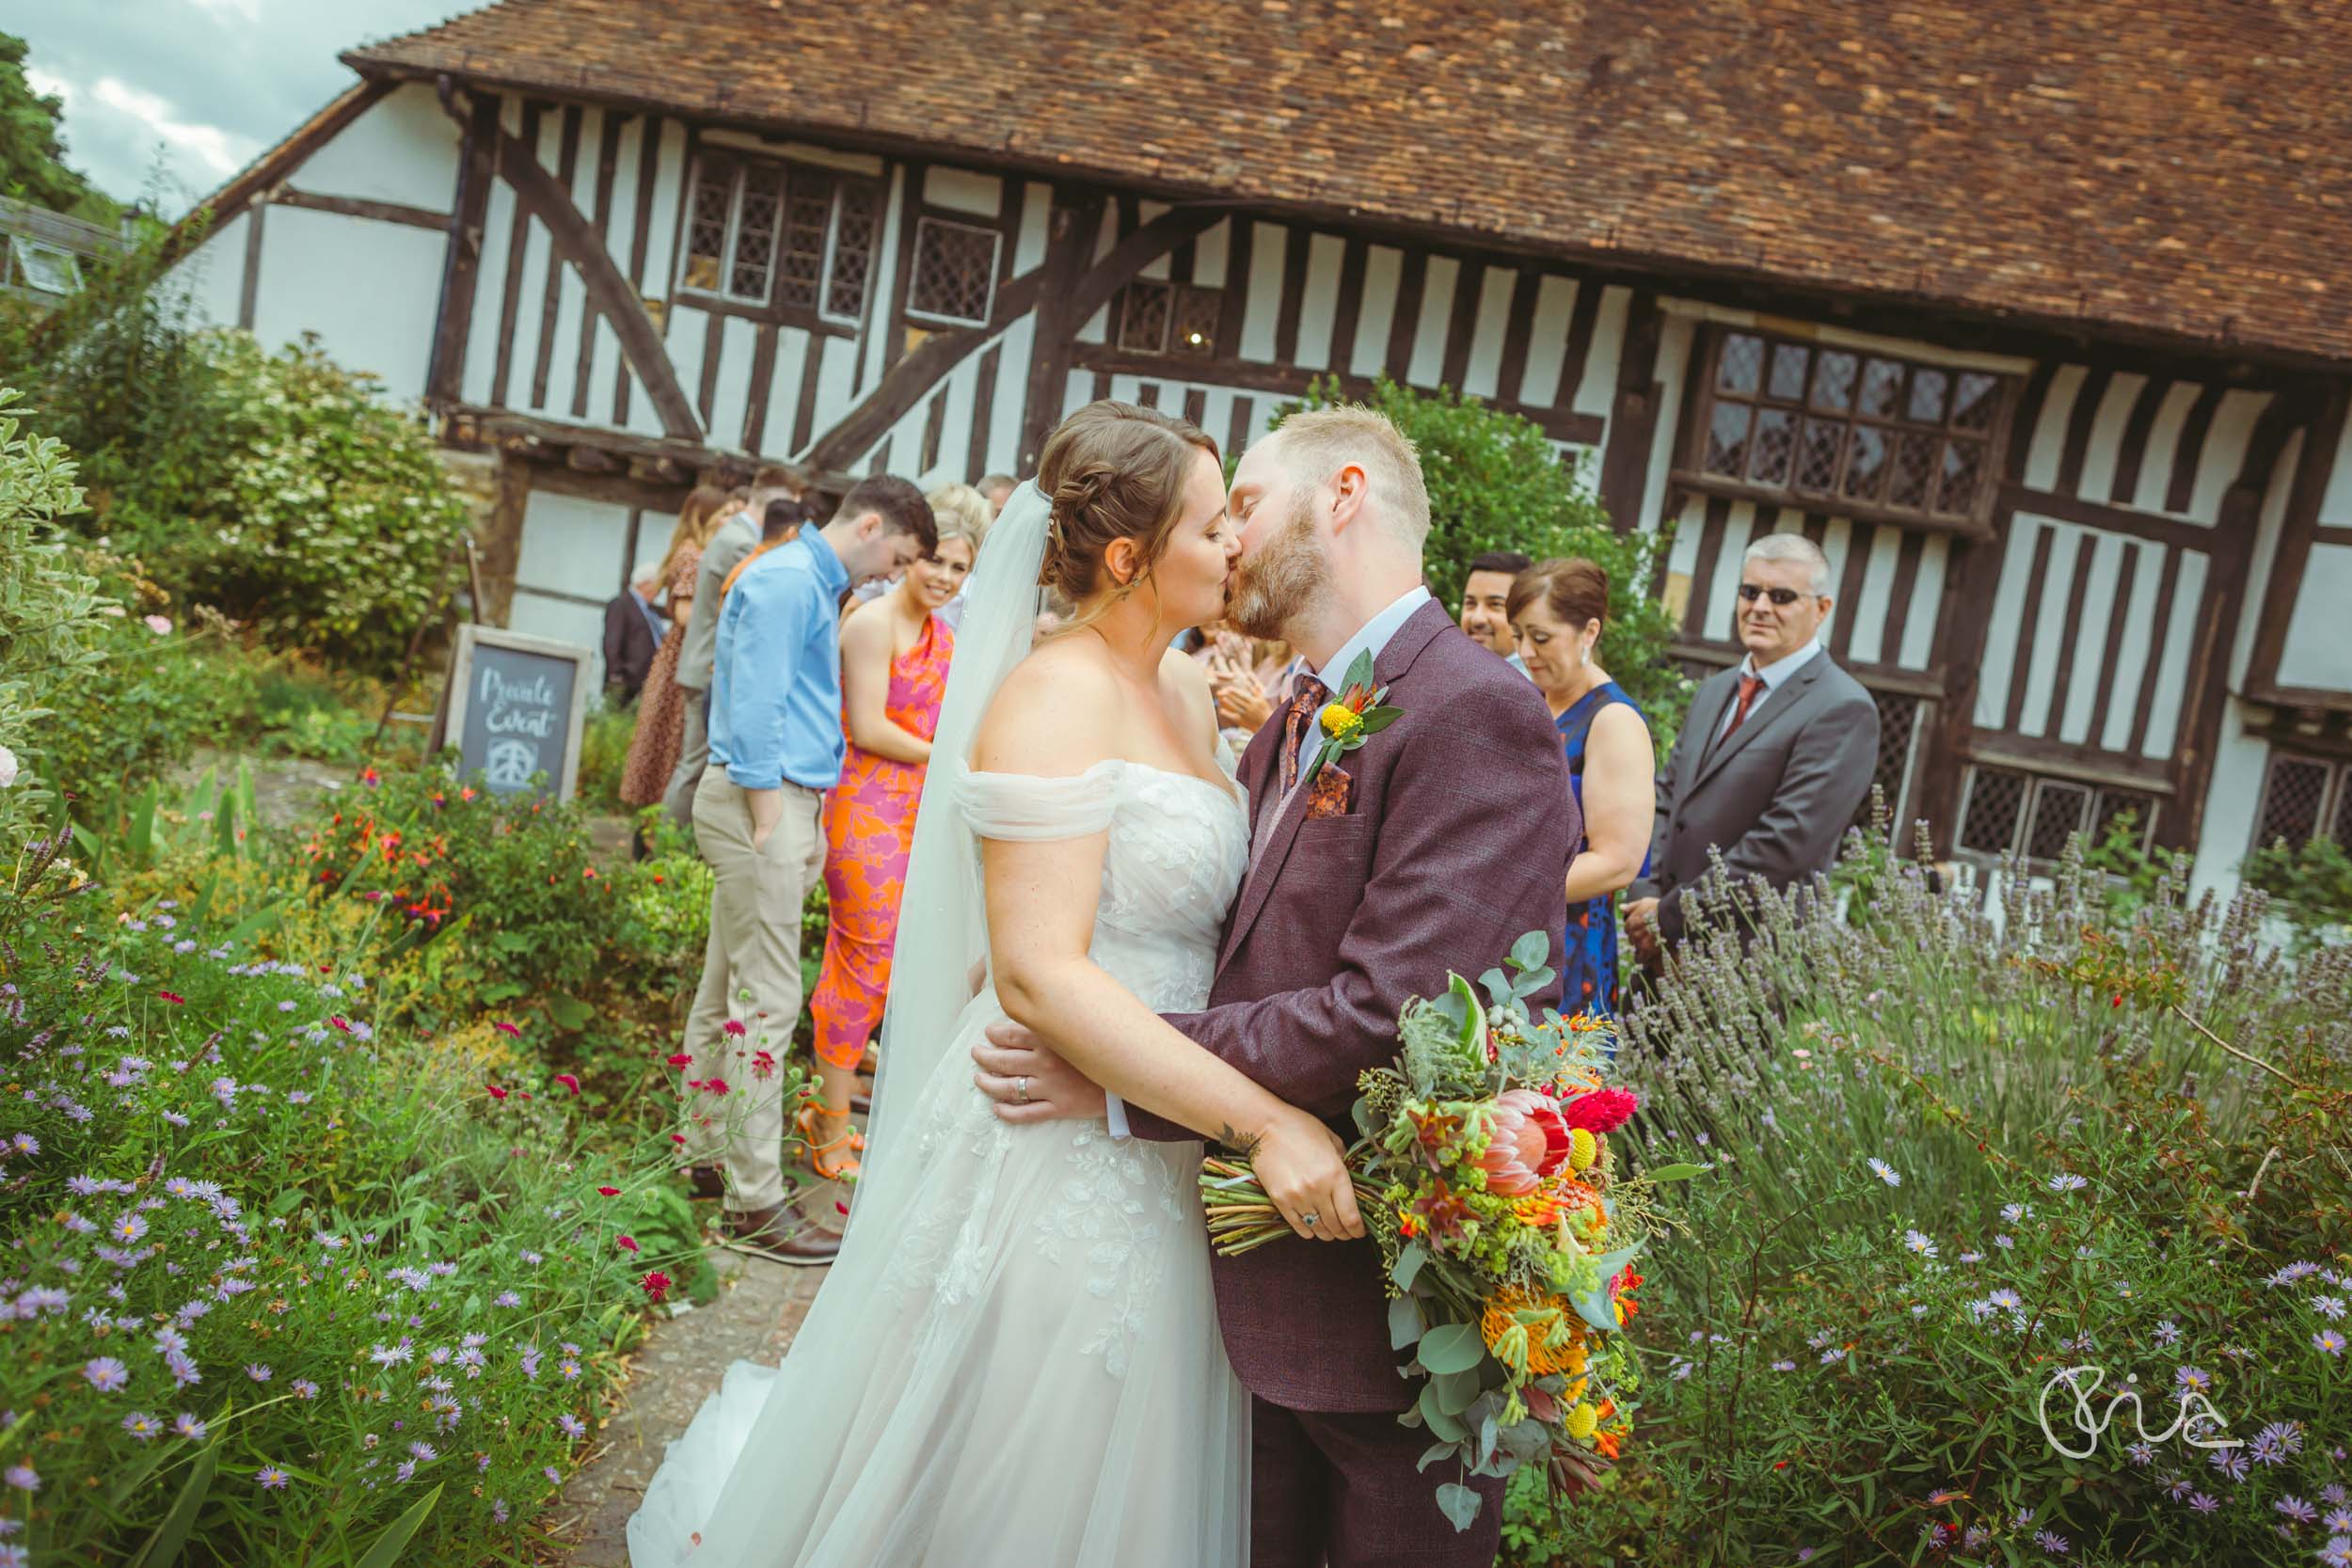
(1350, 720)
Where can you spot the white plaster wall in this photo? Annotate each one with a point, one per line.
(367, 289)
(404, 149)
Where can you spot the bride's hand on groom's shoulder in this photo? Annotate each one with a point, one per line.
(1029, 1083)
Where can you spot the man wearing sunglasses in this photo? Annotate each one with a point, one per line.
(1775, 759)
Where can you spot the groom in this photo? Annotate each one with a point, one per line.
(1432, 847)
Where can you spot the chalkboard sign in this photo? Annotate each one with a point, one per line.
(515, 705)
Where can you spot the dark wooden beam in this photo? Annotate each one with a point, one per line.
(453, 328)
(352, 207)
(2168, 532)
(907, 381)
(1633, 426)
(256, 179)
(1077, 222)
(575, 241)
(2314, 469)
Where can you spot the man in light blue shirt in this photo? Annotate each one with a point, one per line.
(776, 748)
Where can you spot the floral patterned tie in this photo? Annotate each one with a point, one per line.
(1304, 704)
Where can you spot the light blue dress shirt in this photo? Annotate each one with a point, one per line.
(776, 688)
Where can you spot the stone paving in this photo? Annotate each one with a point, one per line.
(759, 1310)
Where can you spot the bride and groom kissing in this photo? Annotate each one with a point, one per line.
(1026, 1355)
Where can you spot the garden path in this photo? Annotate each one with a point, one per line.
(760, 1307)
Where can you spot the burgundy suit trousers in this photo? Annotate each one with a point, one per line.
(1339, 1488)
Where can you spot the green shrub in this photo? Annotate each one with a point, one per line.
(2129, 1123)
(291, 1279)
(603, 755)
(2312, 886)
(1496, 482)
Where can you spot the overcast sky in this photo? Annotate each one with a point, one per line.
(205, 85)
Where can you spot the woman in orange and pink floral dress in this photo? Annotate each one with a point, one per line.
(893, 673)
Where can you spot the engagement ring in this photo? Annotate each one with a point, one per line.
(1021, 1091)
(1311, 1220)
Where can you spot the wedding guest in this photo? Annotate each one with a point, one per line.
(776, 748)
(894, 672)
(1485, 603)
(976, 513)
(654, 745)
(737, 535)
(778, 526)
(1250, 677)
(998, 489)
(1775, 759)
(632, 629)
(1557, 611)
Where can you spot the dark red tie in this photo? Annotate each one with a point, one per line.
(1304, 704)
(1749, 687)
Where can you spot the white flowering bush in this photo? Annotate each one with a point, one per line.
(284, 1280)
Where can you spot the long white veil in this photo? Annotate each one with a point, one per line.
(943, 928)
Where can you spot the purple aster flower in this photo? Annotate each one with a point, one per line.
(2286, 1436)
(304, 1387)
(271, 1478)
(2202, 1503)
(186, 1425)
(142, 1425)
(2328, 1307)
(105, 1373)
(573, 1426)
(2294, 1274)
(14, 1556)
(184, 1372)
(23, 1477)
(405, 1470)
(2329, 1341)
(531, 1361)
(423, 1452)
(129, 1228)
(2051, 1542)
(2142, 1455)
(2337, 1553)
(257, 1371)
(2296, 1509)
(2192, 1380)
(1784, 1366)
(2229, 1462)
(1920, 1242)
(553, 1479)
(391, 1355)
(1887, 1173)
(2339, 1522)
(498, 1510)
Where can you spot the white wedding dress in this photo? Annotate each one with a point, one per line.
(1015, 1364)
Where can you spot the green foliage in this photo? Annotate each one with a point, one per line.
(32, 151)
(1497, 483)
(306, 509)
(2312, 885)
(603, 755)
(2137, 871)
(243, 1156)
(2129, 1123)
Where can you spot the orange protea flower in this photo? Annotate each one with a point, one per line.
(1544, 1318)
(1536, 1209)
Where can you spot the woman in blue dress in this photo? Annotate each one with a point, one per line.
(1557, 608)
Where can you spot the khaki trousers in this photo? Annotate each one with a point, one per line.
(752, 976)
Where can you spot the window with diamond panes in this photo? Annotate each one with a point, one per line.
(769, 233)
(1835, 427)
(2296, 801)
(2009, 812)
(1168, 318)
(1898, 730)
(955, 271)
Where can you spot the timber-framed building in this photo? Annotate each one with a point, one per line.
(2037, 318)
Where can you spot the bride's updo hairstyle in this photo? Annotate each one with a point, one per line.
(1113, 471)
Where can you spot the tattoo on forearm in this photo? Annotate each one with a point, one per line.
(1243, 1144)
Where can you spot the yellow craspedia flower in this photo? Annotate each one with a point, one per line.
(1339, 722)
(1582, 1422)
(1583, 1149)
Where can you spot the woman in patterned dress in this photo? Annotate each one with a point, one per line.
(1556, 609)
(660, 733)
(894, 671)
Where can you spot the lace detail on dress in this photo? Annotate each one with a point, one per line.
(1112, 1212)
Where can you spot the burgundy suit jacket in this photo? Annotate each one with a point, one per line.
(1455, 844)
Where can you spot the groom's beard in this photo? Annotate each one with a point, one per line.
(1283, 578)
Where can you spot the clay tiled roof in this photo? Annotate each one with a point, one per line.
(2176, 169)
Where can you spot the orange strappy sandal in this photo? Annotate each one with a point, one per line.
(850, 1143)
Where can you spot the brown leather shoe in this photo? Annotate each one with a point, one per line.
(709, 1182)
(781, 1233)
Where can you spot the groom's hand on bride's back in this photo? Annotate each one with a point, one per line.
(1029, 1083)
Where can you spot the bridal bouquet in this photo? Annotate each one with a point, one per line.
(1483, 1172)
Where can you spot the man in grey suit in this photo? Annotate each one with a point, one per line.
(736, 538)
(1776, 757)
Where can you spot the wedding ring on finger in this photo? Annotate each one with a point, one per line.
(1021, 1091)
(1310, 1219)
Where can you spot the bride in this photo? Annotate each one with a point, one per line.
(1016, 1359)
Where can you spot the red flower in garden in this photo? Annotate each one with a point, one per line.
(1602, 1111)
(680, 1059)
(656, 1284)
(628, 1244)
(677, 1138)
(610, 1192)
(505, 1028)
(716, 1085)
(569, 1082)
(466, 794)
(763, 1064)
(496, 1093)
(735, 1027)
(369, 778)
(338, 1022)
(174, 999)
